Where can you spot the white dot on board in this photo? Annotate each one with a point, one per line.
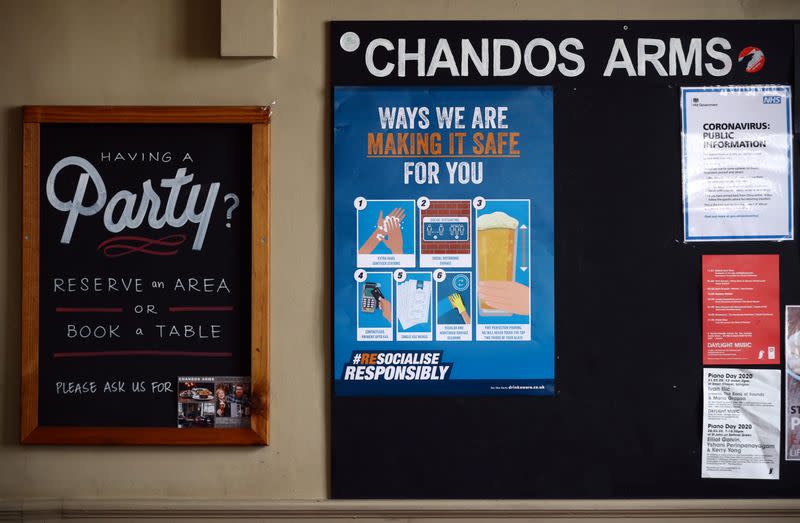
(349, 41)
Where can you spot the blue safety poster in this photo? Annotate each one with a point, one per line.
(443, 241)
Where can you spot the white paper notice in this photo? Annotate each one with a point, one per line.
(741, 423)
(737, 163)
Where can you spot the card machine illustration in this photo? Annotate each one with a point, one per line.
(370, 297)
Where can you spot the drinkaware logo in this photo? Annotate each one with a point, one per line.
(757, 59)
(542, 57)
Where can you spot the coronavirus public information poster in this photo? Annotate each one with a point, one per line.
(737, 163)
(443, 241)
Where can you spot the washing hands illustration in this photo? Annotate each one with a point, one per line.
(388, 231)
(458, 304)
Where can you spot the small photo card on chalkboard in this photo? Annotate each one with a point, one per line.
(218, 402)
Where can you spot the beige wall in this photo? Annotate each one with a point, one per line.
(166, 52)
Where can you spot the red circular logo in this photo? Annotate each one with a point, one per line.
(755, 59)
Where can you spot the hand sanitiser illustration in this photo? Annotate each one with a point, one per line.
(385, 233)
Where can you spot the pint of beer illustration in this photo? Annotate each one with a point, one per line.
(497, 252)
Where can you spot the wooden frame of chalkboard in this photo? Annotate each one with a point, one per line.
(258, 118)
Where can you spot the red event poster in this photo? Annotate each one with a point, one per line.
(741, 299)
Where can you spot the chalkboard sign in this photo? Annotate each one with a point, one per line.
(145, 275)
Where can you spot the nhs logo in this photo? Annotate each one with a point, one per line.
(771, 99)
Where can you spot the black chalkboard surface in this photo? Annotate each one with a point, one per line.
(146, 243)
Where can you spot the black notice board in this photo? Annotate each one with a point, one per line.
(145, 261)
(626, 420)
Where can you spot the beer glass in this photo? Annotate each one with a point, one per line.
(497, 252)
